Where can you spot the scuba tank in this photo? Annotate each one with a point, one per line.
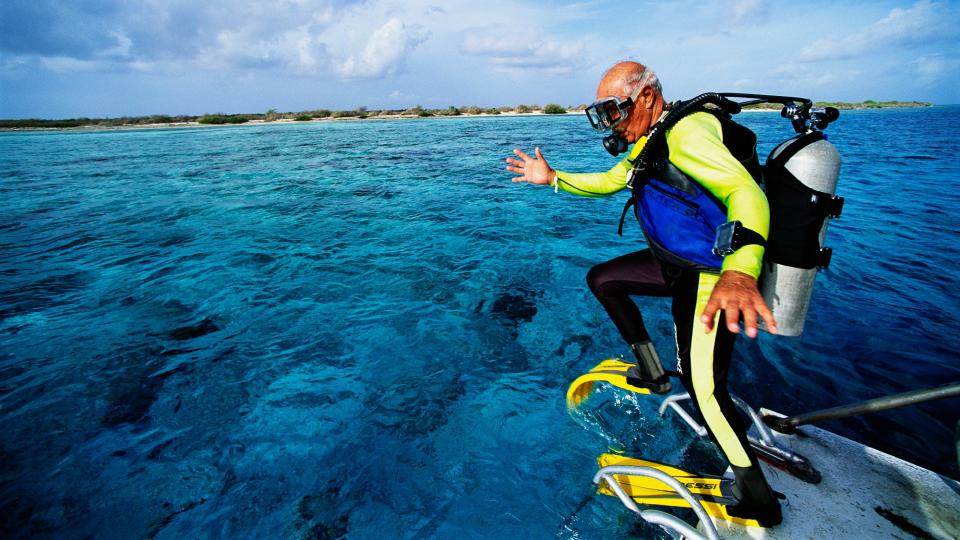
(799, 179)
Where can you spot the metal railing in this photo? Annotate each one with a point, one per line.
(656, 517)
(766, 445)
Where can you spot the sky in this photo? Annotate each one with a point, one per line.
(107, 58)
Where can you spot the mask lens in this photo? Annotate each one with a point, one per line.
(595, 120)
(605, 113)
(611, 110)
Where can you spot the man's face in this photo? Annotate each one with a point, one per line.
(637, 122)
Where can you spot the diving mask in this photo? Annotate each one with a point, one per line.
(604, 114)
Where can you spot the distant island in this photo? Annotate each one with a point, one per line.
(361, 113)
(844, 105)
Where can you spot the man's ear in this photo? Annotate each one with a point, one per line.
(647, 97)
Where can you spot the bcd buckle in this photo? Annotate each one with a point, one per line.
(825, 256)
(836, 206)
(827, 205)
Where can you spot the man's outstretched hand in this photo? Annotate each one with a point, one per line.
(531, 170)
(737, 294)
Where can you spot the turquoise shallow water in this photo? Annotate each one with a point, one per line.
(365, 330)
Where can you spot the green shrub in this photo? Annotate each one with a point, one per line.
(157, 119)
(303, 118)
(321, 113)
(493, 110)
(344, 114)
(553, 108)
(222, 119)
(35, 123)
(522, 109)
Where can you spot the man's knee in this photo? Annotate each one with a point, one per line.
(595, 280)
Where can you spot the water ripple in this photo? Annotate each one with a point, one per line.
(364, 329)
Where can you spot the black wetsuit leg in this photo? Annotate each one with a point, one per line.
(704, 361)
(613, 282)
(641, 274)
(710, 367)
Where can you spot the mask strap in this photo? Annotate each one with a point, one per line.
(643, 82)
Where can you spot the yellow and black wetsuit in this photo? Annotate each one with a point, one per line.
(696, 147)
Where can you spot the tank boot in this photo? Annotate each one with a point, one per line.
(757, 500)
(648, 373)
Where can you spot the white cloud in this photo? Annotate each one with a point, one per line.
(738, 12)
(175, 35)
(933, 68)
(508, 49)
(299, 50)
(384, 52)
(805, 77)
(398, 96)
(66, 64)
(923, 22)
(121, 50)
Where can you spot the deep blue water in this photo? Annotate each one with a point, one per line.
(366, 330)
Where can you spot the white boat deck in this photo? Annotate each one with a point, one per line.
(865, 493)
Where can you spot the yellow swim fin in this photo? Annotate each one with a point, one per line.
(713, 492)
(612, 371)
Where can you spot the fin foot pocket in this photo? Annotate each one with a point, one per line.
(758, 501)
(648, 371)
(660, 385)
(767, 515)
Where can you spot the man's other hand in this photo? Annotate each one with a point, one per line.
(737, 294)
(531, 170)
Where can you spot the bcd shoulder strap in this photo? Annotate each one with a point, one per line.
(655, 153)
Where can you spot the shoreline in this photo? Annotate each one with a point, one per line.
(261, 122)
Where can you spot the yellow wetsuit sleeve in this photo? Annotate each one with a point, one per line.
(696, 148)
(603, 183)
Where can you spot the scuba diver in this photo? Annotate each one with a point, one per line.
(709, 160)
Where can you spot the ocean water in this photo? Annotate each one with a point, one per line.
(365, 330)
